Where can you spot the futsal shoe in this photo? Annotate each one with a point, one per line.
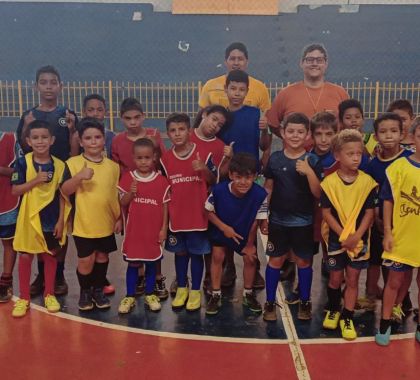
(6, 293)
(100, 300)
(348, 332)
(366, 303)
(331, 320)
(126, 305)
(251, 302)
(60, 287)
(383, 339)
(85, 300)
(20, 308)
(397, 314)
(152, 302)
(214, 304)
(269, 313)
(160, 289)
(194, 300)
(305, 311)
(180, 299)
(108, 289)
(51, 304)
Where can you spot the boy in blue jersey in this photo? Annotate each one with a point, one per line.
(62, 121)
(234, 208)
(246, 132)
(293, 184)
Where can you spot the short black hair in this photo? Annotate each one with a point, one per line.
(387, 116)
(178, 117)
(47, 70)
(93, 97)
(346, 104)
(312, 47)
(297, 118)
(89, 122)
(236, 46)
(38, 124)
(144, 142)
(215, 108)
(130, 104)
(324, 119)
(415, 125)
(401, 104)
(243, 164)
(238, 76)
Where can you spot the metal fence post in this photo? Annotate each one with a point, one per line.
(111, 109)
(376, 99)
(20, 97)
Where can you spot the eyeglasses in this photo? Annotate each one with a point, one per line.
(312, 60)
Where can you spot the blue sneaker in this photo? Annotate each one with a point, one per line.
(417, 336)
(383, 339)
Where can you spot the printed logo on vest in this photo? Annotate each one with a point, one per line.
(62, 122)
(172, 240)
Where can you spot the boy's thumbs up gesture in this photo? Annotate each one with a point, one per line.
(70, 121)
(303, 167)
(198, 163)
(86, 173)
(228, 150)
(41, 176)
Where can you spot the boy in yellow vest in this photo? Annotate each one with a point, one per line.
(348, 200)
(40, 226)
(401, 196)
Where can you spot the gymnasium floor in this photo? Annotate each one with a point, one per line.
(234, 344)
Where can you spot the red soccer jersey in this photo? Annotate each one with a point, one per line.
(145, 216)
(188, 192)
(7, 157)
(122, 149)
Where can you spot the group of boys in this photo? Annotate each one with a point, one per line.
(200, 198)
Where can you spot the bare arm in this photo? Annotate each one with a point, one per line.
(331, 221)
(5, 171)
(228, 231)
(41, 177)
(163, 233)
(388, 241)
(71, 185)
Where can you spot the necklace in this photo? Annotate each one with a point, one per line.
(315, 105)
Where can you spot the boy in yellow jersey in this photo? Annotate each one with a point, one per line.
(401, 197)
(93, 180)
(348, 202)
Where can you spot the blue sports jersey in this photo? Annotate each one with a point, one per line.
(238, 213)
(330, 165)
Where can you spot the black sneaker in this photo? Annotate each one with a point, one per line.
(6, 293)
(100, 300)
(305, 311)
(85, 300)
(269, 313)
(407, 306)
(60, 287)
(228, 276)
(259, 282)
(37, 287)
(214, 304)
(160, 289)
(251, 302)
(141, 286)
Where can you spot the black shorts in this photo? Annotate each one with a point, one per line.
(342, 260)
(86, 246)
(283, 239)
(376, 247)
(53, 244)
(7, 232)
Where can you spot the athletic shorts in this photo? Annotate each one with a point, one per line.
(342, 260)
(86, 246)
(396, 266)
(376, 247)
(7, 232)
(53, 244)
(283, 239)
(193, 242)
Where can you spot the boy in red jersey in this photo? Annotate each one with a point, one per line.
(189, 176)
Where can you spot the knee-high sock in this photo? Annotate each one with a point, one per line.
(181, 268)
(272, 278)
(197, 268)
(131, 278)
(85, 280)
(99, 275)
(24, 268)
(150, 272)
(50, 266)
(305, 283)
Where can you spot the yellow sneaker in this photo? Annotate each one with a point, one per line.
(180, 298)
(126, 305)
(348, 331)
(366, 303)
(20, 308)
(194, 300)
(52, 304)
(152, 301)
(397, 314)
(331, 320)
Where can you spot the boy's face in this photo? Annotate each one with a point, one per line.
(96, 109)
(350, 155)
(212, 124)
(92, 141)
(294, 135)
(48, 86)
(406, 119)
(353, 119)
(236, 61)
(40, 140)
(388, 134)
(241, 184)
(322, 138)
(236, 93)
(133, 120)
(314, 65)
(178, 133)
(144, 157)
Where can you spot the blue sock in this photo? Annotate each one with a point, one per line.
(181, 268)
(272, 278)
(197, 269)
(131, 277)
(150, 272)
(305, 283)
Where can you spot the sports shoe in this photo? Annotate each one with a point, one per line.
(141, 286)
(173, 288)
(37, 287)
(100, 300)
(228, 276)
(6, 293)
(214, 304)
(180, 299)
(85, 300)
(251, 302)
(305, 311)
(194, 300)
(259, 282)
(417, 335)
(152, 301)
(51, 303)
(60, 287)
(160, 289)
(348, 332)
(20, 308)
(383, 339)
(331, 320)
(407, 305)
(207, 283)
(108, 289)
(366, 303)
(292, 298)
(397, 314)
(269, 313)
(126, 305)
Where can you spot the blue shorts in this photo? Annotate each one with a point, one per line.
(342, 260)
(193, 242)
(7, 232)
(396, 266)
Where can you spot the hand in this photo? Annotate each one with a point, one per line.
(41, 177)
(86, 173)
(198, 164)
(303, 167)
(250, 250)
(162, 235)
(70, 121)
(230, 233)
(263, 123)
(133, 187)
(388, 242)
(118, 226)
(58, 230)
(29, 118)
(228, 150)
(264, 227)
(351, 242)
